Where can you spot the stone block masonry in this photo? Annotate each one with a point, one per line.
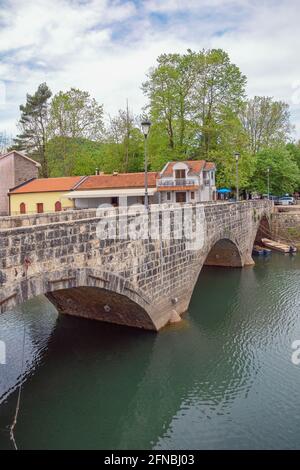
(285, 226)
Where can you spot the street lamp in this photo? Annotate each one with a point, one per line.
(237, 156)
(268, 175)
(145, 129)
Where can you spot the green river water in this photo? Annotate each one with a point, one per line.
(221, 379)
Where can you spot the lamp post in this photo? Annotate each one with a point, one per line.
(268, 175)
(237, 156)
(145, 129)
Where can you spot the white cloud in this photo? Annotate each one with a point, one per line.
(106, 47)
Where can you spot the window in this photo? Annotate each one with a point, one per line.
(179, 174)
(114, 201)
(168, 196)
(181, 197)
(58, 206)
(40, 207)
(22, 208)
(192, 195)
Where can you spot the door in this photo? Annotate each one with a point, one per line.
(40, 207)
(181, 197)
(22, 208)
(57, 206)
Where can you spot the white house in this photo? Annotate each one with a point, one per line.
(118, 189)
(187, 181)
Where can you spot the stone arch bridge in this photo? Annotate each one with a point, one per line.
(144, 282)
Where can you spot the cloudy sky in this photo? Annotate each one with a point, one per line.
(107, 46)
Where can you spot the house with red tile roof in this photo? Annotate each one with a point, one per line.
(187, 181)
(43, 195)
(118, 189)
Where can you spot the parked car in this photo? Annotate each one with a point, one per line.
(286, 201)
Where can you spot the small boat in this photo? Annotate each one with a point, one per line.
(261, 250)
(257, 250)
(278, 246)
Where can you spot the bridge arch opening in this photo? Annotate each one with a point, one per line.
(224, 253)
(100, 304)
(263, 231)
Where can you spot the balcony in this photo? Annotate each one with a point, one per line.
(182, 182)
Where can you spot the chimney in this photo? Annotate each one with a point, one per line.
(97, 173)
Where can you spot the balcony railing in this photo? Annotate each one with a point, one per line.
(177, 182)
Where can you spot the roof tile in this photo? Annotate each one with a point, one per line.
(48, 185)
(120, 180)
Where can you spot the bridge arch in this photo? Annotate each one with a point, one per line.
(89, 293)
(224, 252)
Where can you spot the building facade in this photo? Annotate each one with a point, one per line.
(118, 189)
(181, 182)
(43, 195)
(15, 169)
(187, 181)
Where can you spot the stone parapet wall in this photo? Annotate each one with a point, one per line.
(28, 220)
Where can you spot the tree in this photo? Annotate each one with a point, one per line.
(33, 126)
(168, 89)
(74, 115)
(125, 140)
(189, 95)
(284, 172)
(231, 139)
(218, 91)
(294, 150)
(266, 122)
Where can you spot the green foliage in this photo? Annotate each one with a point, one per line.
(189, 97)
(284, 172)
(75, 114)
(68, 156)
(126, 141)
(294, 150)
